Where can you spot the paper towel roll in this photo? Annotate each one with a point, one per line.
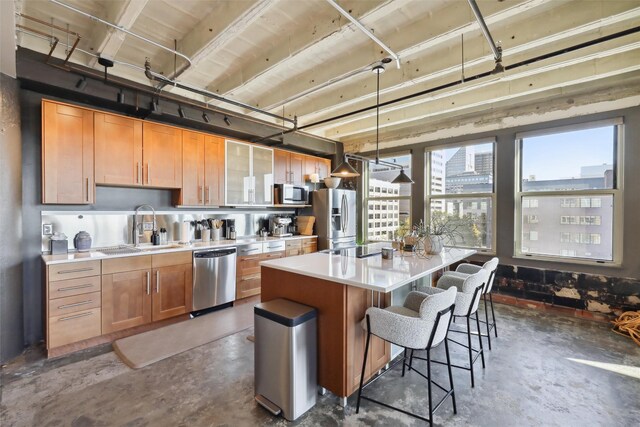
(185, 232)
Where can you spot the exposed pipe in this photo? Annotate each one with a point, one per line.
(55, 39)
(366, 31)
(152, 75)
(479, 76)
(124, 30)
(497, 50)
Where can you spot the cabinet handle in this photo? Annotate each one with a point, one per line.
(88, 189)
(72, 288)
(77, 270)
(253, 276)
(249, 258)
(208, 195)
(76, 304)
(148, 283)
(148, 172)
(249, 250)
(62, 319)
(157, 281)
(199, 194)
(137, 172)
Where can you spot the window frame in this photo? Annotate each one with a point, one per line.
(366, 177)
(492, 196)
(617, 194)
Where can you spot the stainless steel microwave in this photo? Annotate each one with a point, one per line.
(287, 194)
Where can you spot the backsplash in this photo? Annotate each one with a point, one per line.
(114, 228)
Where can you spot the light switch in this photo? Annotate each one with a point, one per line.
(47, 229)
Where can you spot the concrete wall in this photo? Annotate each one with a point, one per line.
(11, 329)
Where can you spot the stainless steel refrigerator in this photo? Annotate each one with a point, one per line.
(335, 212)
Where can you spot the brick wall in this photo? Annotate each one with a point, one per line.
(593, 294)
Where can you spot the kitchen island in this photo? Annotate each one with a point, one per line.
(341, 287)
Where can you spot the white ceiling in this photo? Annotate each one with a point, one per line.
(306, 59)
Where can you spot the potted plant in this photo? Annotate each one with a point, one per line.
(442, 228)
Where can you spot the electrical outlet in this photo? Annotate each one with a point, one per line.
(47, 229)
(147, 226)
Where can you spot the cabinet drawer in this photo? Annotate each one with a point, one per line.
(294, 244)
(67, 305)
(274, 255)
(249, 265)
(248, 287)
(132, 263)
(173, 258)
(69, 287)
(294, 252)
(73, 270)
(274, 246)
(67, 329)
(309, 242)
(247, 250)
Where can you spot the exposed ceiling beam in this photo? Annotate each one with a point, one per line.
(422, 34)
(107, 41)
(214, 32)
(586, 23)
(545, 79)
(296, 46)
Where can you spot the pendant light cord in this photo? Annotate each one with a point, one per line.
(378, 117)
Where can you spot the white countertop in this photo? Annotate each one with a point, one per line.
(372, 272)
(148, 249)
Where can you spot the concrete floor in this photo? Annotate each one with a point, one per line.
(529, 381)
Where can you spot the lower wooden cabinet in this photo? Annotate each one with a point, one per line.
(126, 298)
(172, 286)
(248, 277)
(309, 245)
(70, 328)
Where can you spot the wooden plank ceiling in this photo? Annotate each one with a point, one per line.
(305, 59)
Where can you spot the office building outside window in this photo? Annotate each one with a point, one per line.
(460, 186)
(568, 180)
(388, 204)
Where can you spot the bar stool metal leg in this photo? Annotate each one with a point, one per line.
(480, 340)
(486, 317)
(473, 384)
(493, 315)
(453, 393)
(364, 364)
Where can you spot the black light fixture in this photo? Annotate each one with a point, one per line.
(181, 112)
(378, 69)
(345, 170)
(81, 84)
(120, 97)
(227, 121)
(205, 117)
(403, 178)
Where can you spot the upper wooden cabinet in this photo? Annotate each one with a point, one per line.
(162, 156)
(316, 165)
(67, 154)
(202, 170)
(289, 167)
(118, 150)
(249, 174)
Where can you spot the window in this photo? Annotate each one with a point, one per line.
(568, 181)
(392, 201)
(460, 186)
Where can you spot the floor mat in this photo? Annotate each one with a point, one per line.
(149, 347)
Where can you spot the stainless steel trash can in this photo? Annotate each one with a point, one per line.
(285, 357)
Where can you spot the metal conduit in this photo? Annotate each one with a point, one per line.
(478, 76)
(152, 75)
(497, 51)
(366, 31)
(124, 30)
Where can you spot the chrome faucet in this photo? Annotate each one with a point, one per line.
(136, 233)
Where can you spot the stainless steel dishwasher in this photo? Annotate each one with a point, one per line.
(214, 277)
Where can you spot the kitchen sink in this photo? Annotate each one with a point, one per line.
(119, 250)
(151, 248)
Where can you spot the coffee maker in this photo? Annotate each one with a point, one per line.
(229, 230)
(279, 226)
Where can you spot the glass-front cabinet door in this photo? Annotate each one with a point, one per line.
(262, 191)
(238, 183)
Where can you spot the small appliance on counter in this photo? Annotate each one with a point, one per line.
(82, 241)
(287, 194)
(279, 226)
(58, 243)
(229, 229)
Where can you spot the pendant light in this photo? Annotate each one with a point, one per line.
(402, 178)
(345, 170)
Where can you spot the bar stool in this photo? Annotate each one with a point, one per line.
(421, 323)
(491, 266)
(469, 290)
